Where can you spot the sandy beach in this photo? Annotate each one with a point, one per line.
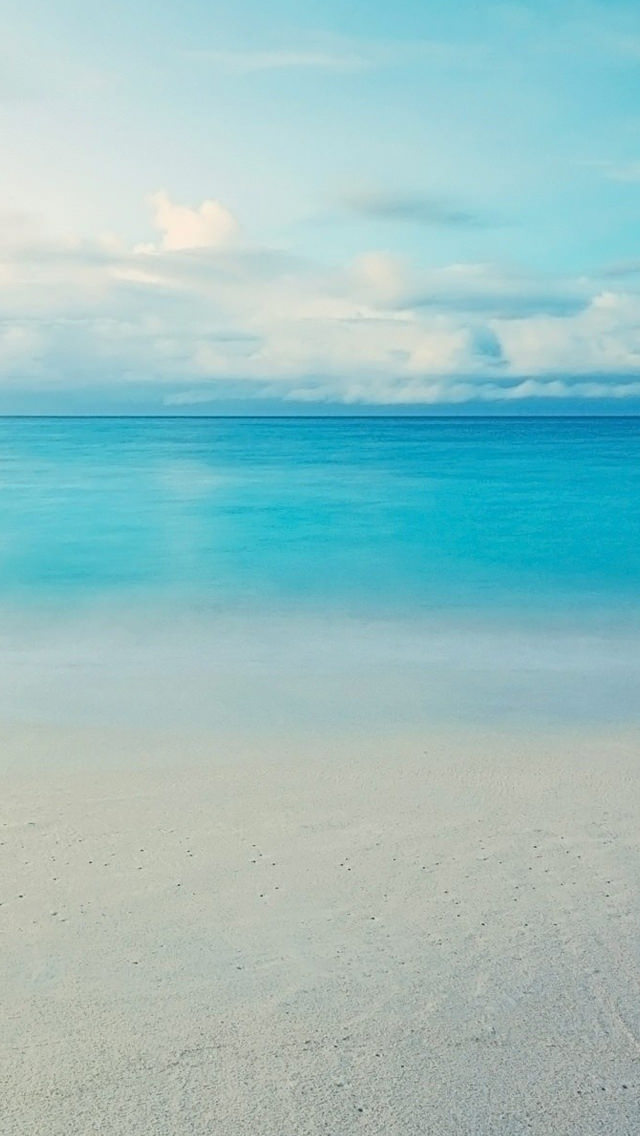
(432, 934)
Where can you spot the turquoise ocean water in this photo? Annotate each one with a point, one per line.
(356, 514)
(467, 562)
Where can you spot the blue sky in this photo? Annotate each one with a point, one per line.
(320, 205)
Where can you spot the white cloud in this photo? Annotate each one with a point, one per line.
(381, 277)
(602, 338)
(210, 225)
(258, 320)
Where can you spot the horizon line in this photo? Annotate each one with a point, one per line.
(436, 417)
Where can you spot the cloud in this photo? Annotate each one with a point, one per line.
(417, 209)
(203, 314)
(602, 339)
(248, 62)
(341, 54)
(491, 291)
(622, 269)
(210, 225)
(21, 347)
(470, 289)
(381, 278)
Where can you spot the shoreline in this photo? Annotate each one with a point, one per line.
(314, 674)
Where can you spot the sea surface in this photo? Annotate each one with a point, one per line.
(344, 570)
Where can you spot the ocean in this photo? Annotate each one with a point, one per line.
(338, 572)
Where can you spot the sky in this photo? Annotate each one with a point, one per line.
(320, 206)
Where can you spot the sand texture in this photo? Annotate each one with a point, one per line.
(432, 936)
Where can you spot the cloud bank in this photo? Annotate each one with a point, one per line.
(201, 312)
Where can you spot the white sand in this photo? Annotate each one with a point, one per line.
(441, 937)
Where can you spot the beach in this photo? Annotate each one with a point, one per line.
(320, 568)
(436, 934)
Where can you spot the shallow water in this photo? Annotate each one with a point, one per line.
(339, 573)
